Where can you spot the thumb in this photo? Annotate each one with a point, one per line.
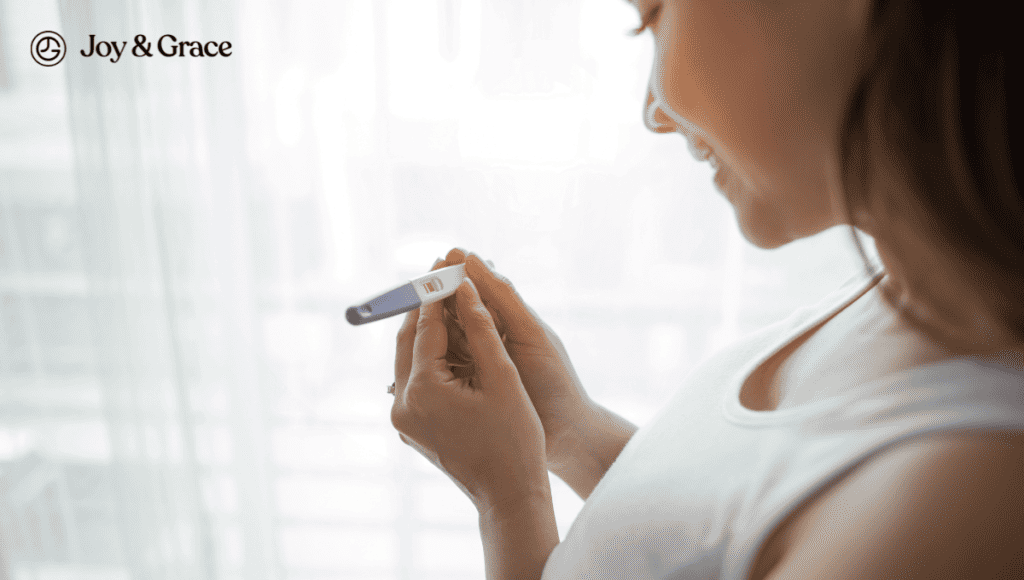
(492, 361)
(431, 341)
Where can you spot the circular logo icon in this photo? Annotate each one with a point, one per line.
(48, 48)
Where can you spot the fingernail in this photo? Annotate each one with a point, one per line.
(436, 262)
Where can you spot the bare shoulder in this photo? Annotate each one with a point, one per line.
(943, 506)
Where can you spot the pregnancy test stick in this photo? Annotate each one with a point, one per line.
(426, 289)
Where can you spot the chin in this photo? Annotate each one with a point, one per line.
(764, 224)
(757, 222)
(767, 231)
(762, 237)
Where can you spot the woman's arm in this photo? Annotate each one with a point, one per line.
(518, 537)
(588, 448)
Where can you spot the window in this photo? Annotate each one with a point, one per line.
(179, 240)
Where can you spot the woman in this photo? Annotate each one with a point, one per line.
(878, 434)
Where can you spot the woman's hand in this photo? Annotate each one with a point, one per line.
(582, 438)
(481, 430)
(544, 367)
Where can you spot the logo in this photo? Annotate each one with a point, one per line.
(48, 48)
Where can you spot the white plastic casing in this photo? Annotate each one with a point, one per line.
(439, 284)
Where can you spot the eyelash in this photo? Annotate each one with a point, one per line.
(646, 21)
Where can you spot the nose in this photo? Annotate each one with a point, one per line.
(654, 118)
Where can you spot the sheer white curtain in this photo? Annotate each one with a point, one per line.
(180, 396)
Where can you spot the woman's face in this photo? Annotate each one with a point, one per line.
(763, 84)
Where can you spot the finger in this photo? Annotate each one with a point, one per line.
(456, 256)
(497, 292)
(492, 361)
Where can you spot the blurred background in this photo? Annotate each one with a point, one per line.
(180, 395)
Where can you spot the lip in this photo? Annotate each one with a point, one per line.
(701, 151)
(719, 179)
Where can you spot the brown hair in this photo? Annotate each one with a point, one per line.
(934, 113)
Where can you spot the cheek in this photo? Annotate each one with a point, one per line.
(716, 68)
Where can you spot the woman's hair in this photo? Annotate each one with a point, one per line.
(928, 166)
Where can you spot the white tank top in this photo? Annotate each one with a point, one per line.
(696, 491)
